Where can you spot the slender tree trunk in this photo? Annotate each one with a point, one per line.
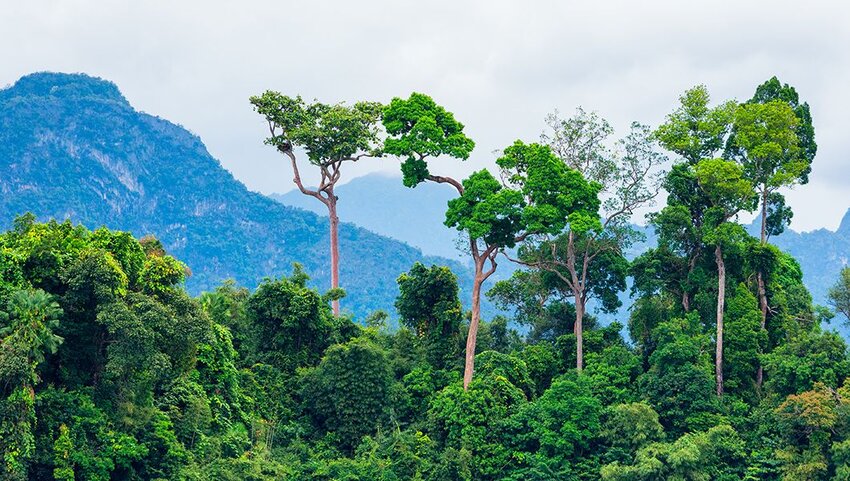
(686, 298)
(763, 304)
(764, 215)
(578, 298)
(334, 224)
(760, 279)
(472, 336)
(721, 297)
(578, 329)
(330, 202)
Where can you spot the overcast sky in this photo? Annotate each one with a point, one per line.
(499, 65)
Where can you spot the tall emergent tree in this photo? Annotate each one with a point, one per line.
(704, 194)
(728, 192)
(695, 131)
(773, 138)
(538, 193)
(330, 135)
(590, 262)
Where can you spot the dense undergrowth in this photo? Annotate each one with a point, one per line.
(111, 371)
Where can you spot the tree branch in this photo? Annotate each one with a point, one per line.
(297, 177)
(447, 180)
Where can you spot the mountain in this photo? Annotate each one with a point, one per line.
(72, 147)
(822, 254)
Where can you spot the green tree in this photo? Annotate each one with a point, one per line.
(745, 342)
(512, 368)
(678, 381)
(474, 420)
(766, 140)
(695, 131)
(330, 135)
(765, 137)
(772, 90)
(590, 262)
(728, 192)
(161, 274)
(292, 324)
(34, 318)
(560, 427)
(538, 194)
(839, 294)
(347, 394)
(543, 365)
(428, 304)
(716, 454)
(227, 306)
(62, 449)
(809, 356)
(814, 429)
(26, 336)
(631, 426)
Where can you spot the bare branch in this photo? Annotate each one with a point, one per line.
(544, 266)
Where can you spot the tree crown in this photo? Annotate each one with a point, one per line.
(418, 128)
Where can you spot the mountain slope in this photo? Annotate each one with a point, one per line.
(72, 147)
(822, 254)
(382, 204)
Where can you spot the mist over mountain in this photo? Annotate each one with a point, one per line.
(72, 147)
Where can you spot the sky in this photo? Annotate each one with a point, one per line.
(500, 66)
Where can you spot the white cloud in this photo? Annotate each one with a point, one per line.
(499, 65)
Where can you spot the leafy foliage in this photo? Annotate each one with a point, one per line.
(110, 370)
(428, 305)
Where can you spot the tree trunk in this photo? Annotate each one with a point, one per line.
(721, 297)
(578, 300)
(578, 329)
(763, 304)
(764, 215)
(686, 299)
(334, 224)
(330, 202)
(760, 278)
(472, 336)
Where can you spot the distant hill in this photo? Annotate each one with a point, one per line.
(822, 254)
(382, 204)
(72, 147)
